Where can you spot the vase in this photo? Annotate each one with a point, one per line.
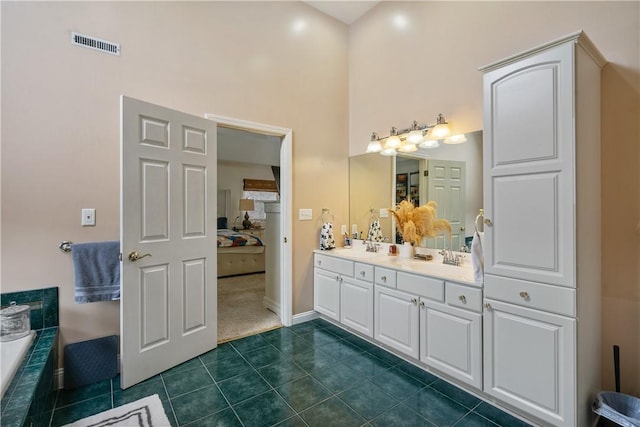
(405, 250)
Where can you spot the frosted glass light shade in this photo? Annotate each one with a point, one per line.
(440, 131)
(374, 147)
(388, 152)
(392, 142)
(414, 137)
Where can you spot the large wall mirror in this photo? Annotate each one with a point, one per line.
(449, 174)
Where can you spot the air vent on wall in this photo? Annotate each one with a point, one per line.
(95, 43)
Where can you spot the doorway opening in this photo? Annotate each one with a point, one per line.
(254, 290)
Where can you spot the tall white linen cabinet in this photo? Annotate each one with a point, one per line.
(541, 316)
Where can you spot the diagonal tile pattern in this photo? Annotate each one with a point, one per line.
(311, 374)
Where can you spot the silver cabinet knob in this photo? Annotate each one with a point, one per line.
(524, 295)
(463, 299)
(487, 221)
(487, 306)
(422, 304)
(319, 262)
(362, 273)
(383, 278)
(414, 300)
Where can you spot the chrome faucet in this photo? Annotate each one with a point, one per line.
(449, 258)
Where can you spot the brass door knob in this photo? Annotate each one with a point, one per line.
(134, 256)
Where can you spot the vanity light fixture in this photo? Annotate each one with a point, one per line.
(408, 140)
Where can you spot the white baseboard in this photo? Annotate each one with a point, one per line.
(272, 305)
(304, 317)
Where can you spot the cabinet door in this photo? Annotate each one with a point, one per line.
(529, 360)
(528, 168)
(450, 341)
(396, 320)
(356, 305)
(326, 293)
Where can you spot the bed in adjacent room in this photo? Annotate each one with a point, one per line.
(238, 252)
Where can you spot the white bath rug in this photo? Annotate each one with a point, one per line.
(147, 412)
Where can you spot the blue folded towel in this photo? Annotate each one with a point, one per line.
(96, 267)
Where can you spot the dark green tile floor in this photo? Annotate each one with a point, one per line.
(311, 374)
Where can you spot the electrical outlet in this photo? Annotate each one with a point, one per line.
(88, 217)
(343, 229)
(354, 229)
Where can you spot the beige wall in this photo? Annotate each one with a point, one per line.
(430, 66)
(60, 127)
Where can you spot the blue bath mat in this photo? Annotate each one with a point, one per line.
(88, 362)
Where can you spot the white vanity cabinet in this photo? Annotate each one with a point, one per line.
(396, 320)
(541, 166)
(356, 300)
(451, 333)
(328, 273)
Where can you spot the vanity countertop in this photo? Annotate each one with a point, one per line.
(434, 268)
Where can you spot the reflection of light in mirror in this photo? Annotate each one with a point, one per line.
(431, 143)
(408, 148)
(299, 25)
(456, 139)
(400, 22)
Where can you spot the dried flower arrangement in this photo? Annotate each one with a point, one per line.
(415, 223)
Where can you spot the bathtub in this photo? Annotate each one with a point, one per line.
(11, 355)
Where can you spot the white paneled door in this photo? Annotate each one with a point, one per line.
(168, 311)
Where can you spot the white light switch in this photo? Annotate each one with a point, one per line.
(384, 213)
(88, 217)
(305, 214)
(343, 229)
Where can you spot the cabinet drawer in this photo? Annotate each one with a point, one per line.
(336, 265)
(385, 277)
(554, 299)
(364, 272)
(421, 285)
(464, 296)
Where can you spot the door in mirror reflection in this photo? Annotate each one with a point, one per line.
(446, 185)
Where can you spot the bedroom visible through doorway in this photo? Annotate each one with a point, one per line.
(249, 252)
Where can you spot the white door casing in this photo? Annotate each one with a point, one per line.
(168, 311)
(286, 192)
